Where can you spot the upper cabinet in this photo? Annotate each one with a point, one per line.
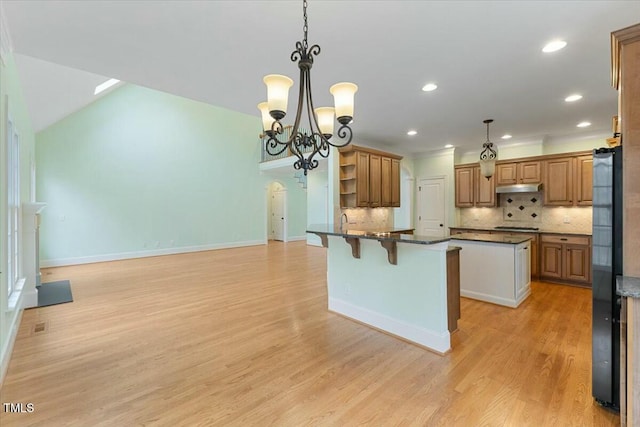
(566, 180)
(369, 178)
(473, 189)
(558, 182)
(584, 180)
(528, 172)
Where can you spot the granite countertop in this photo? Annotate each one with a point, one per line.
(627, 286)
(382, 234)
(513, 230)
(491, 238)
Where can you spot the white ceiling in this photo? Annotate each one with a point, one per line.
(485, 57)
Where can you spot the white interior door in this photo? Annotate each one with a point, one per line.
(278, 215)
(431, 207)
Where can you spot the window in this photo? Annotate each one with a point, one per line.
(13, 205)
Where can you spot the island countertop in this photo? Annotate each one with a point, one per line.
(382, 234)
(491, 238)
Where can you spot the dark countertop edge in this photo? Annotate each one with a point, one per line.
(627, 286)
(573, 233)
(487, 238)
(402, 238)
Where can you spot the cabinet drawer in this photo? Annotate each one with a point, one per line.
(562, 239)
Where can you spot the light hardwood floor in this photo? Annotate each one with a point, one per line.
(243, 337)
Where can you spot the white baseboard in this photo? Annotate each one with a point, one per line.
(494, 299)
(438, 342)
(143, 254)
(296, 238)
(7, 348)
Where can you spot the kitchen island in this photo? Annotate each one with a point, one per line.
(495, 268)
(391, 281)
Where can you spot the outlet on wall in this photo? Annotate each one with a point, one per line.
(566, 219)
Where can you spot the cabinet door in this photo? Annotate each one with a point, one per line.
(395, 183)
(507, 174)
(529, 172)
(551, 260)
(523, 270)
(577, 263)
(375, 180)
(464, 187)
(584, 181)
(362, 179)
(385, 184)
(558, 182)
(485, 190)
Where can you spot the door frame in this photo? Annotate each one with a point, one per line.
(445, 194)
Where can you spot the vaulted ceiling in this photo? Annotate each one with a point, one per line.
(485, 57)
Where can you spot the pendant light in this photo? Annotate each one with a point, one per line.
(488, 155)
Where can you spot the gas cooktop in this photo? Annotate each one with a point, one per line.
(509, 227)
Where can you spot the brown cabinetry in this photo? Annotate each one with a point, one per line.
(473, 189)
(558, 181)
(395, 183)
(584, 180)
(566, 258)
(528, 172)
(369, 178)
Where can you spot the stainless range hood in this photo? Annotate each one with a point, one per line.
(519, 188)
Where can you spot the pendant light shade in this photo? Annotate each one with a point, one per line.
(278, 93)
(488, 155)
(343, 96)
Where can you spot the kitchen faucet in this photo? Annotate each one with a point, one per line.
(346, 220)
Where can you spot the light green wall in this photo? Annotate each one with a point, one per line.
(11, 99)
(537, 149)
(436, 164)
(317, 202)
(141, 171)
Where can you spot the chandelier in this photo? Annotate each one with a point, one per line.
(488, 155)
(305, 144)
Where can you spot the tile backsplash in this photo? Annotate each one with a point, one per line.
(526, 210)
(370, 218)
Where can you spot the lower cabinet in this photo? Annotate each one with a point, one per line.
(565, 258)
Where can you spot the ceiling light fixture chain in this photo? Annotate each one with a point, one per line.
(305, 144)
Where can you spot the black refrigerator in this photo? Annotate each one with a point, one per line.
(606, 265)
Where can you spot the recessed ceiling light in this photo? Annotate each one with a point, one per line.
(429, 87)
(573, 98)
(506, 136)
(412, 132)
(448, 146)
(583, 124)
(106, 85)
(554, 46)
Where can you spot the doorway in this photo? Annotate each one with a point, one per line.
(277, 212)
(431, 207)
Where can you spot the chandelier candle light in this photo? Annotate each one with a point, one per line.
(306, 144)
(488, 156)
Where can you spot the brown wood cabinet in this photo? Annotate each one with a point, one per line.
(584, 180)
(565, 258)
(369, 178)
(558, 181)
(395, 183)
(464, 187)
(473, 189)
(528, 172)
(375, 180)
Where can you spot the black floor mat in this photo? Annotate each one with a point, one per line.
(53, 293)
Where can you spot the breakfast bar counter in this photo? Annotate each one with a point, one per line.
(391, 281)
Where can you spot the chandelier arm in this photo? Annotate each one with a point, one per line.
(272, 146)
(342, 133)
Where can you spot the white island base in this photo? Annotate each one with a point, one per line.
(499, 273)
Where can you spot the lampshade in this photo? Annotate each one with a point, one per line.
(278, 92)
(325, 117)
(267, 120)
(487, 167)
(343, 94)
